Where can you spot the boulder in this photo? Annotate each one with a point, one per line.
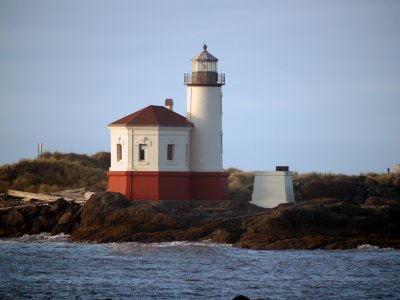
(58, 206)
(35, 218)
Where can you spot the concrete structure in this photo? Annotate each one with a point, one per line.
(272, 188)
(157, 154)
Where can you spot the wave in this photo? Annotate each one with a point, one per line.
(188, 243)
(41, 237)
(205, 243)
(371, 247)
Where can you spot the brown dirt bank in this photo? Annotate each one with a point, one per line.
(319, 223)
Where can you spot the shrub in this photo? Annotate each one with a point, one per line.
(56, 171)
(240, 184)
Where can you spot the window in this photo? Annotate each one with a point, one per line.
(170, 152)
(119, 152)
(142, 152)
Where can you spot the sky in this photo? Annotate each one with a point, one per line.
(314, 85)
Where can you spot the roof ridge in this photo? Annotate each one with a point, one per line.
(154, 115)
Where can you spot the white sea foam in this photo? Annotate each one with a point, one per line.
(367, 247)
(187, 243)
(57, 237)
(44, 236)
(371, 247)
(205, 243)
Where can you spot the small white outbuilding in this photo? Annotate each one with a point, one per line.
(272, 188)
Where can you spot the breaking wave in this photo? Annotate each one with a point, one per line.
(371, 247)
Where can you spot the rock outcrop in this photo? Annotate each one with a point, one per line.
(325, 223)
(322, 223)
(33, 218)
(110, 217)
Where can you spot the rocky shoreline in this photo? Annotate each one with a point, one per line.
(324, 223)
(17, 219)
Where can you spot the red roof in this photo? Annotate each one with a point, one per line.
(154, 115)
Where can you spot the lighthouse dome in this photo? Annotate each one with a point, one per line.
(205, 55)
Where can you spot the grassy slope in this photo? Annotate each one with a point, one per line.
(56, 171)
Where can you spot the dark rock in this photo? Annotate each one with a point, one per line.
(326, 223)
(358, 199)
(11, 223)
(388, 192)
(241, 297)
(65, 218)
(381, 201)
(38, 217)
(111, 217)
(59, 205)
(319, 223)
(14, 219)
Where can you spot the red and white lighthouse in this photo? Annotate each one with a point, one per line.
(204, 110)
(157, 154)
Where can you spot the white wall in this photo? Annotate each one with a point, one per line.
(123, 136)
(180, 138)
(156, 139)
(148, 136)
(272, 188)
(204, 110)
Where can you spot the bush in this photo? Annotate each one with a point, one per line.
(240, 184)
(57, 171)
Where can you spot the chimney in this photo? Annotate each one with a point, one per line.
(169, 103)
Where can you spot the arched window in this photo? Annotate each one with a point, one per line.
(142, 152)
(119, 152)
(170, 152)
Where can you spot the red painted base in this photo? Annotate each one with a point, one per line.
(141, 185)
(209, 185)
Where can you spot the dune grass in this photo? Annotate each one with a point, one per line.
(56, 171)
(240, 184)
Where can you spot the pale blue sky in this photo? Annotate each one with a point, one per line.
(310, 84)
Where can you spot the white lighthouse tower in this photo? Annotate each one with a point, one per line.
(204, 110)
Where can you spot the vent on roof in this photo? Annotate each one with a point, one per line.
(169, 103)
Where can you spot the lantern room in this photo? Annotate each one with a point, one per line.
(204, 70)
(204, 62)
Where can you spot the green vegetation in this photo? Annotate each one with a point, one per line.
(384, 178)
(57, 171)
(240, 184)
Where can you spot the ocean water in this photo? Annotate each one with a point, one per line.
(45, 267)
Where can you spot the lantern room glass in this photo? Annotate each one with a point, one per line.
(204, 66)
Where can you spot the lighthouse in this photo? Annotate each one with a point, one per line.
(157, 154)
(204, 110)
